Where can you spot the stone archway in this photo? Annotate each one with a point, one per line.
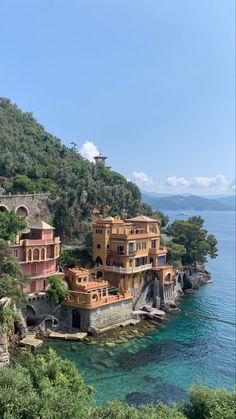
(31, 317)
(76, 319)
(3, 208)
(22, 211)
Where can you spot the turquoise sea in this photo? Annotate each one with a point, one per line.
(183, 350)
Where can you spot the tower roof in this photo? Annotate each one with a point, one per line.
(42, 225)
(100, 156)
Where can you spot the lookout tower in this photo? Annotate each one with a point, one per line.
(100, 159)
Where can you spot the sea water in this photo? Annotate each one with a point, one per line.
(181, 351)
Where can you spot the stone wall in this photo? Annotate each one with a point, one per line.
(42, 308)
(33, 206)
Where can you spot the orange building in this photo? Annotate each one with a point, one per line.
(38, 251)
(86, 291)
(128, 252)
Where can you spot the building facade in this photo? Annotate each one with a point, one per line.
(127, 253)
(38, 251)
(93, 304)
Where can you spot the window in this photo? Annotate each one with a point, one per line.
(98, 246)
(154, 244)
(120, 250)
(98, 231)
(16, 253)
(138, 246)
(131, 247)
(143, 245)
(130, 263)
(108, 246)
(161, 260)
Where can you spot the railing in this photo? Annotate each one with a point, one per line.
(127, 270)
(41, 242)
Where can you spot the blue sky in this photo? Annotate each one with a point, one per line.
(150, 83)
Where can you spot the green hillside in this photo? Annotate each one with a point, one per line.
(31, 160)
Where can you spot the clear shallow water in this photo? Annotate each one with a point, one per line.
(183, 350)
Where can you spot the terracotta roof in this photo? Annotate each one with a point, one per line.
(42, 225)
(78, 271)
(100, 156)
(143, 219)
(110, 220)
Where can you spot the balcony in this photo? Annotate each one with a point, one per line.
(121, 270)
(161, 251)
(93, 300)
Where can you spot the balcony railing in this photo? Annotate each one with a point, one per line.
(127, 270)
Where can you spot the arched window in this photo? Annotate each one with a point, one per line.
(42, 254)
(29, 254)
(36, 254)
(98, 261)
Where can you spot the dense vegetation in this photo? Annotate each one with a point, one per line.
(10, 225)
(48, 387)
(11, 282)
(190, 242)
(32, 160)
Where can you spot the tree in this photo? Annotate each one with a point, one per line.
(11, 277)
(58, 290)
(195, 240)
(210, 404)
(10, 225)
(44, 387)
(175, 254)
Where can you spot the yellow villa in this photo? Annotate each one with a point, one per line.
(128, 252)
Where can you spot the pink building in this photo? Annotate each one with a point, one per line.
(37, 252)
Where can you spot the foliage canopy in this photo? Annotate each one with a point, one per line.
(48, 387)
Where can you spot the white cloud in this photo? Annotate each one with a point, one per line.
(201, 185)
(219, 181)
(88, 150)
(141, 178)
(176, 181)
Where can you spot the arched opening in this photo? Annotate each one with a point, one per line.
(99, 274)
(179, 279)
(43, 254)
(118, 263)
(22, 211)
(31, 317)
(3, 208)
(168, 277)
(98, 261)
(29, 254)
(76, 319)
(36, 254)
